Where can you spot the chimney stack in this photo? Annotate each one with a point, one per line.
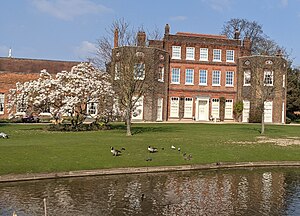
(116, 38)
(279, 53)
(247, 46)
(141, 38)
(167, 29)
(237, 34)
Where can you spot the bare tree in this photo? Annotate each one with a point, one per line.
(267, 84)
(261, 44)
(133, 66)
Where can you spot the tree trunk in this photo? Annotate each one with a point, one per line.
(262, 122)
(128, 122)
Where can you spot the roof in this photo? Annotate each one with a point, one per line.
(188, 34)
(22, 65)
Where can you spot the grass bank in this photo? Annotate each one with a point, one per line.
(31, 149)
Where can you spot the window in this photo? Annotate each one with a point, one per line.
(1, 103)
(176, 52)
(92, 108)
(159, 109)
(189, 76)
(229, 78)
(139, 71)
(283, 81)
(203, 54)
(246, 110)
(161, 74)
(228, 109)
(217, 55)
(268, 108)
(117, 71)
(188, 108)
(215, 108)
(174, 109)
(268, 78)
(229, 55)
(203, 77)
(175, 79)
(216, 78)
(247, 78)
(190, 53)
(138, 110)
(21, 106)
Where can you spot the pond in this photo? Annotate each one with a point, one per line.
(263, 191)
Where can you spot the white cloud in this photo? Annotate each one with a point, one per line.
(68, 9)
(85, 50)
(178, 18)
(218, 5)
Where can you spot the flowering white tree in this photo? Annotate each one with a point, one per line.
(70, 92)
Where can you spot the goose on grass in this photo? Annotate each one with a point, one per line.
(152, 149)
(114, 151)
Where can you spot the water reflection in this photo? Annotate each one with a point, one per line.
(234, 192)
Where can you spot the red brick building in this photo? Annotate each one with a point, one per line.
(203, 76)
(13, 70)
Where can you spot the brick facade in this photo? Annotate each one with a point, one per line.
(204, 76)
(13, 70)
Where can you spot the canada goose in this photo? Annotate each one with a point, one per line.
(173, 147)
(114, 151)
(3, 135)
(122, 149)
(179, 149)
(152, 149)
(149, 159)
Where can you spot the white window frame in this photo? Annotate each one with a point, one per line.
(161, 74)
(203, 54)
(268, 78)
(190, 53)
(2, 103)
(215, 108)
(139, 71)
(92, 107)
(160, 105)
(176, 52)
(188, 76)
(229, 109)
(188, 107)
(117, 71)
(247, 78)
(214, 73)
(266, 103)
(173, 81)
(174, 111)
(229, 55)
(246, 110)
(202, 83)
(217, 55)
(229, 79)
(138, 111)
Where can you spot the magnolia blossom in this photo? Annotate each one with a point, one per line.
(68, 93)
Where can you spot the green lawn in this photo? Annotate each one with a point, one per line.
(31, 149)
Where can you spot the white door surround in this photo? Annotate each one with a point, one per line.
(202, 108)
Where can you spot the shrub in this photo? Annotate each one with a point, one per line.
(82, 127)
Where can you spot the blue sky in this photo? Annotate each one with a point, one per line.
(68, 29)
